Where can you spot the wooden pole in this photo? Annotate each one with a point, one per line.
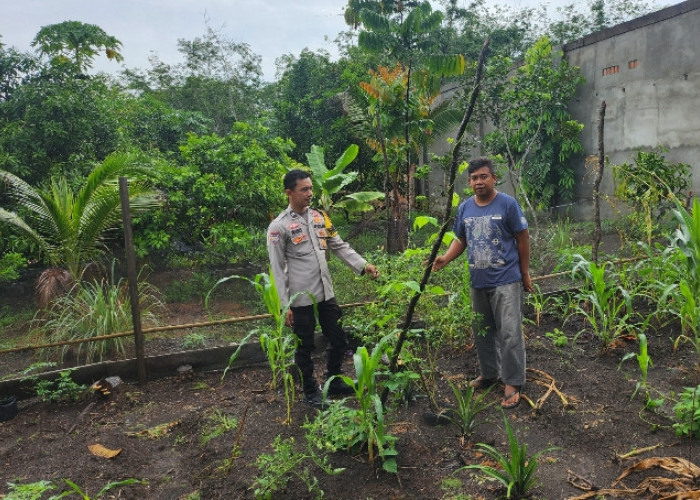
(596, 182)
(133, 284)
(456, 153)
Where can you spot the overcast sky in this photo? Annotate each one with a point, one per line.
(271, 27)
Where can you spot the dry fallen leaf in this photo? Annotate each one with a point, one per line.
(100, 451)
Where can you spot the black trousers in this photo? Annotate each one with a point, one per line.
(329, 315)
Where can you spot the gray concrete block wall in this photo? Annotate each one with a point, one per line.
(651, 90)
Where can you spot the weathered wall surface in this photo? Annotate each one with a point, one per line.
(648, 73)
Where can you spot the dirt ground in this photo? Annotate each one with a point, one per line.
(158, 430)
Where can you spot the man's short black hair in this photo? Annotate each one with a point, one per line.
(478, 163)
(291, 178)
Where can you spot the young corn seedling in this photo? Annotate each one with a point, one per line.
(371, 411)
(644, 362)
(607, 307)
(278, 343)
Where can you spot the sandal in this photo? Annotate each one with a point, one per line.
(480, 383)
(514, 404)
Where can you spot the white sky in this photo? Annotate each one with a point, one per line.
(272, 28)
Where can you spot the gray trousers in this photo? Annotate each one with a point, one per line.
(498, 332)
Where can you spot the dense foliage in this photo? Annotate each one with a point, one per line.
(221, 138)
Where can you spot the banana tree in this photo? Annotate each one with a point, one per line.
(329, 183)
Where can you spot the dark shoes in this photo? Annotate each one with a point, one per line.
(315, 400)
(338, 387)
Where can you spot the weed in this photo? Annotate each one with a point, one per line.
(63, 389)
(194, 341)
(558, 337)
(278, 468)
(687, 411)
(218, 424)
(96, 309)
(30, 491)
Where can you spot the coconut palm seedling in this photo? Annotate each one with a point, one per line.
(69, 227)
(516, 471)
(465, 415)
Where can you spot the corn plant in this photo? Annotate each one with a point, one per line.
(606, 306)
(371, 410)
(644, 362)
(77, 490)
(687, 239)
(278, 343)
(516, 472)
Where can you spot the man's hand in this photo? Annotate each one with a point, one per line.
(439, 262)
(527, 283)
(289, 318)
(372, 271)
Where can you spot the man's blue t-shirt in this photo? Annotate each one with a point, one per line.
(490, 235)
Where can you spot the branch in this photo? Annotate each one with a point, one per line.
(446, 218)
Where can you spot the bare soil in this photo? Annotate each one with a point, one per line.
(578, 399)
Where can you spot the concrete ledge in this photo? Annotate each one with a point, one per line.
(160, 366)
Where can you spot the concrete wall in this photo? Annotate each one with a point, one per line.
(648, 73)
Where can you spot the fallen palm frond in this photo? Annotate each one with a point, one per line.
(682, 487)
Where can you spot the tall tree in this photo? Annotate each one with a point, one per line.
(404, 31)
(534, 130)
(219, 78)
(306, 106)
(77, 43)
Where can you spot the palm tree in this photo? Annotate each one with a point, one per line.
(69, 227)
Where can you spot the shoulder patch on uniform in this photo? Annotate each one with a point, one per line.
(329, 226)
(274, 237)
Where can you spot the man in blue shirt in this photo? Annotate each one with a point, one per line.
(492, 228)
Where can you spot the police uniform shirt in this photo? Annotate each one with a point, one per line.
(297, 246)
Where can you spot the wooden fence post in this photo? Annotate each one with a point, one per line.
(133, 284)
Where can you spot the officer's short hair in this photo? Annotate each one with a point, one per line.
(291, 178)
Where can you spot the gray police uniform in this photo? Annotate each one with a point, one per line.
(297, 246)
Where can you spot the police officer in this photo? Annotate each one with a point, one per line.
(297, 242)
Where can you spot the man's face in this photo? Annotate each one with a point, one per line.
(300, 197)
(483, 182)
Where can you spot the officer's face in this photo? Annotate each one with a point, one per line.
(300, 197)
